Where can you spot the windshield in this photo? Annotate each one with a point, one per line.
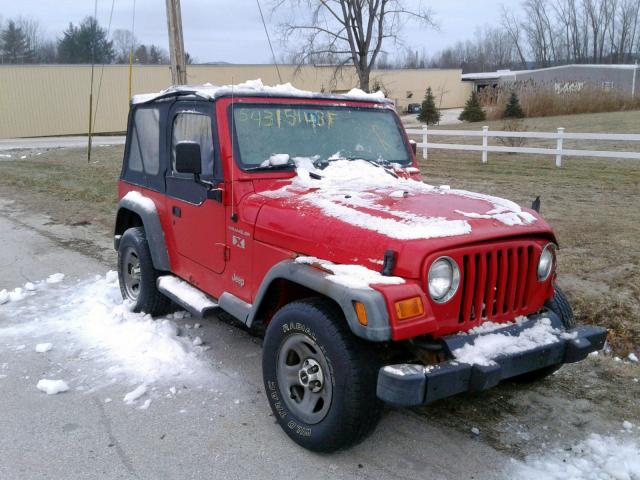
(317, 131)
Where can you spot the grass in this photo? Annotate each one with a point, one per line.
(593, 205)
(540, 100)
(61, 183)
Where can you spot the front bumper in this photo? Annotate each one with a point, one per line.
(410, 384)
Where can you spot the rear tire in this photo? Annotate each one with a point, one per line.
(137, 276)
(320, 379)
(559, 305)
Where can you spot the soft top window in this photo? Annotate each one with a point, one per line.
(144, 150)
(194, 127)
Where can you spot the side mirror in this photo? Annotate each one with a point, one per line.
(414, 146)
(188, 159)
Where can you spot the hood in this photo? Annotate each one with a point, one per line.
(356, 211)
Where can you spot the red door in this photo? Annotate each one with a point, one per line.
(198, 223)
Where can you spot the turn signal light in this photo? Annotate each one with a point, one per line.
(409, 308)
(361, 313)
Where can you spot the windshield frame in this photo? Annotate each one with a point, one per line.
(306, 103)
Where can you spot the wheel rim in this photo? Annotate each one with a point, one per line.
(304, 378)
(131, 273)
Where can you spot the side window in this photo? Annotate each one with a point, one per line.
(196, 128)
(144, 151)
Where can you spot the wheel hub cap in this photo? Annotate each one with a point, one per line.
(311, 375)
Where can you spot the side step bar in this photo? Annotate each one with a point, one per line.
(187, 296)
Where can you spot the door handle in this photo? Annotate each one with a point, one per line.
(177, 212)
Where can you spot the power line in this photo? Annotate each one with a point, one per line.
(95, 115)
(266, 31)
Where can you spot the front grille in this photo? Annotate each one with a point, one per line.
(496, 282)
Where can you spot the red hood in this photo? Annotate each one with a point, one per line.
(356, 222)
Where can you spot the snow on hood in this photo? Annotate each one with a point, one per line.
(355, 192)
(251, 87)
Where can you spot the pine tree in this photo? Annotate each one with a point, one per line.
(473, 111)
(513, 108)
(429, 114)
(85, 43)
(14, 44)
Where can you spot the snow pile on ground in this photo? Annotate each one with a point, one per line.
(486, 348)
(20, 293)
(596, 458)
(357, 192)
(251, 87)
(52, 387)
(351, 276)
(43, 347)
(90, 320)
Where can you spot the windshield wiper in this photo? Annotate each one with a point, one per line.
(280, 166)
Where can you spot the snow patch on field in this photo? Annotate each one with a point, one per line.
(486, 348)
(596, 458)
(351, 276)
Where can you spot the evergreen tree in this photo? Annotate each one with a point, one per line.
(473, 111)
(513, 108)
(14, 44)
(85, 43)
(429, 114)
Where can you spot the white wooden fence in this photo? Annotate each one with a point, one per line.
(559, 137)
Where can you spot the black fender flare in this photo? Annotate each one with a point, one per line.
(378, 328)
(152, 228)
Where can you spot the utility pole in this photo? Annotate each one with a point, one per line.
(176, 43)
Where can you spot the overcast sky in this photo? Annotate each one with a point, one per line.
(231, 30)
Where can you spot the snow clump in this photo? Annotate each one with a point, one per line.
(351, 276)
(52, 387)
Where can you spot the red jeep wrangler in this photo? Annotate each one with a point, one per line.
(305, 215)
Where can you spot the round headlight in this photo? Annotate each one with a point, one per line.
(444, 279)
(545, 264)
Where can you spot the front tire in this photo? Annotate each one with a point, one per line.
(320, 379)
(137, 276)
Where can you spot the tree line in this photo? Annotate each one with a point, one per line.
(552, 32)
(22, 40)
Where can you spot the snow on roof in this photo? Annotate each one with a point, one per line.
(514, 73)
(254, 87)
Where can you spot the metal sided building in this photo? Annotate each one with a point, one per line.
(565, 78)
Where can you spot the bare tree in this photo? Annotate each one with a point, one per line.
(512, 26)
(347, 31)
(123, 42)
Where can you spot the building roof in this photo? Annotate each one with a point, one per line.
(514, 73)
